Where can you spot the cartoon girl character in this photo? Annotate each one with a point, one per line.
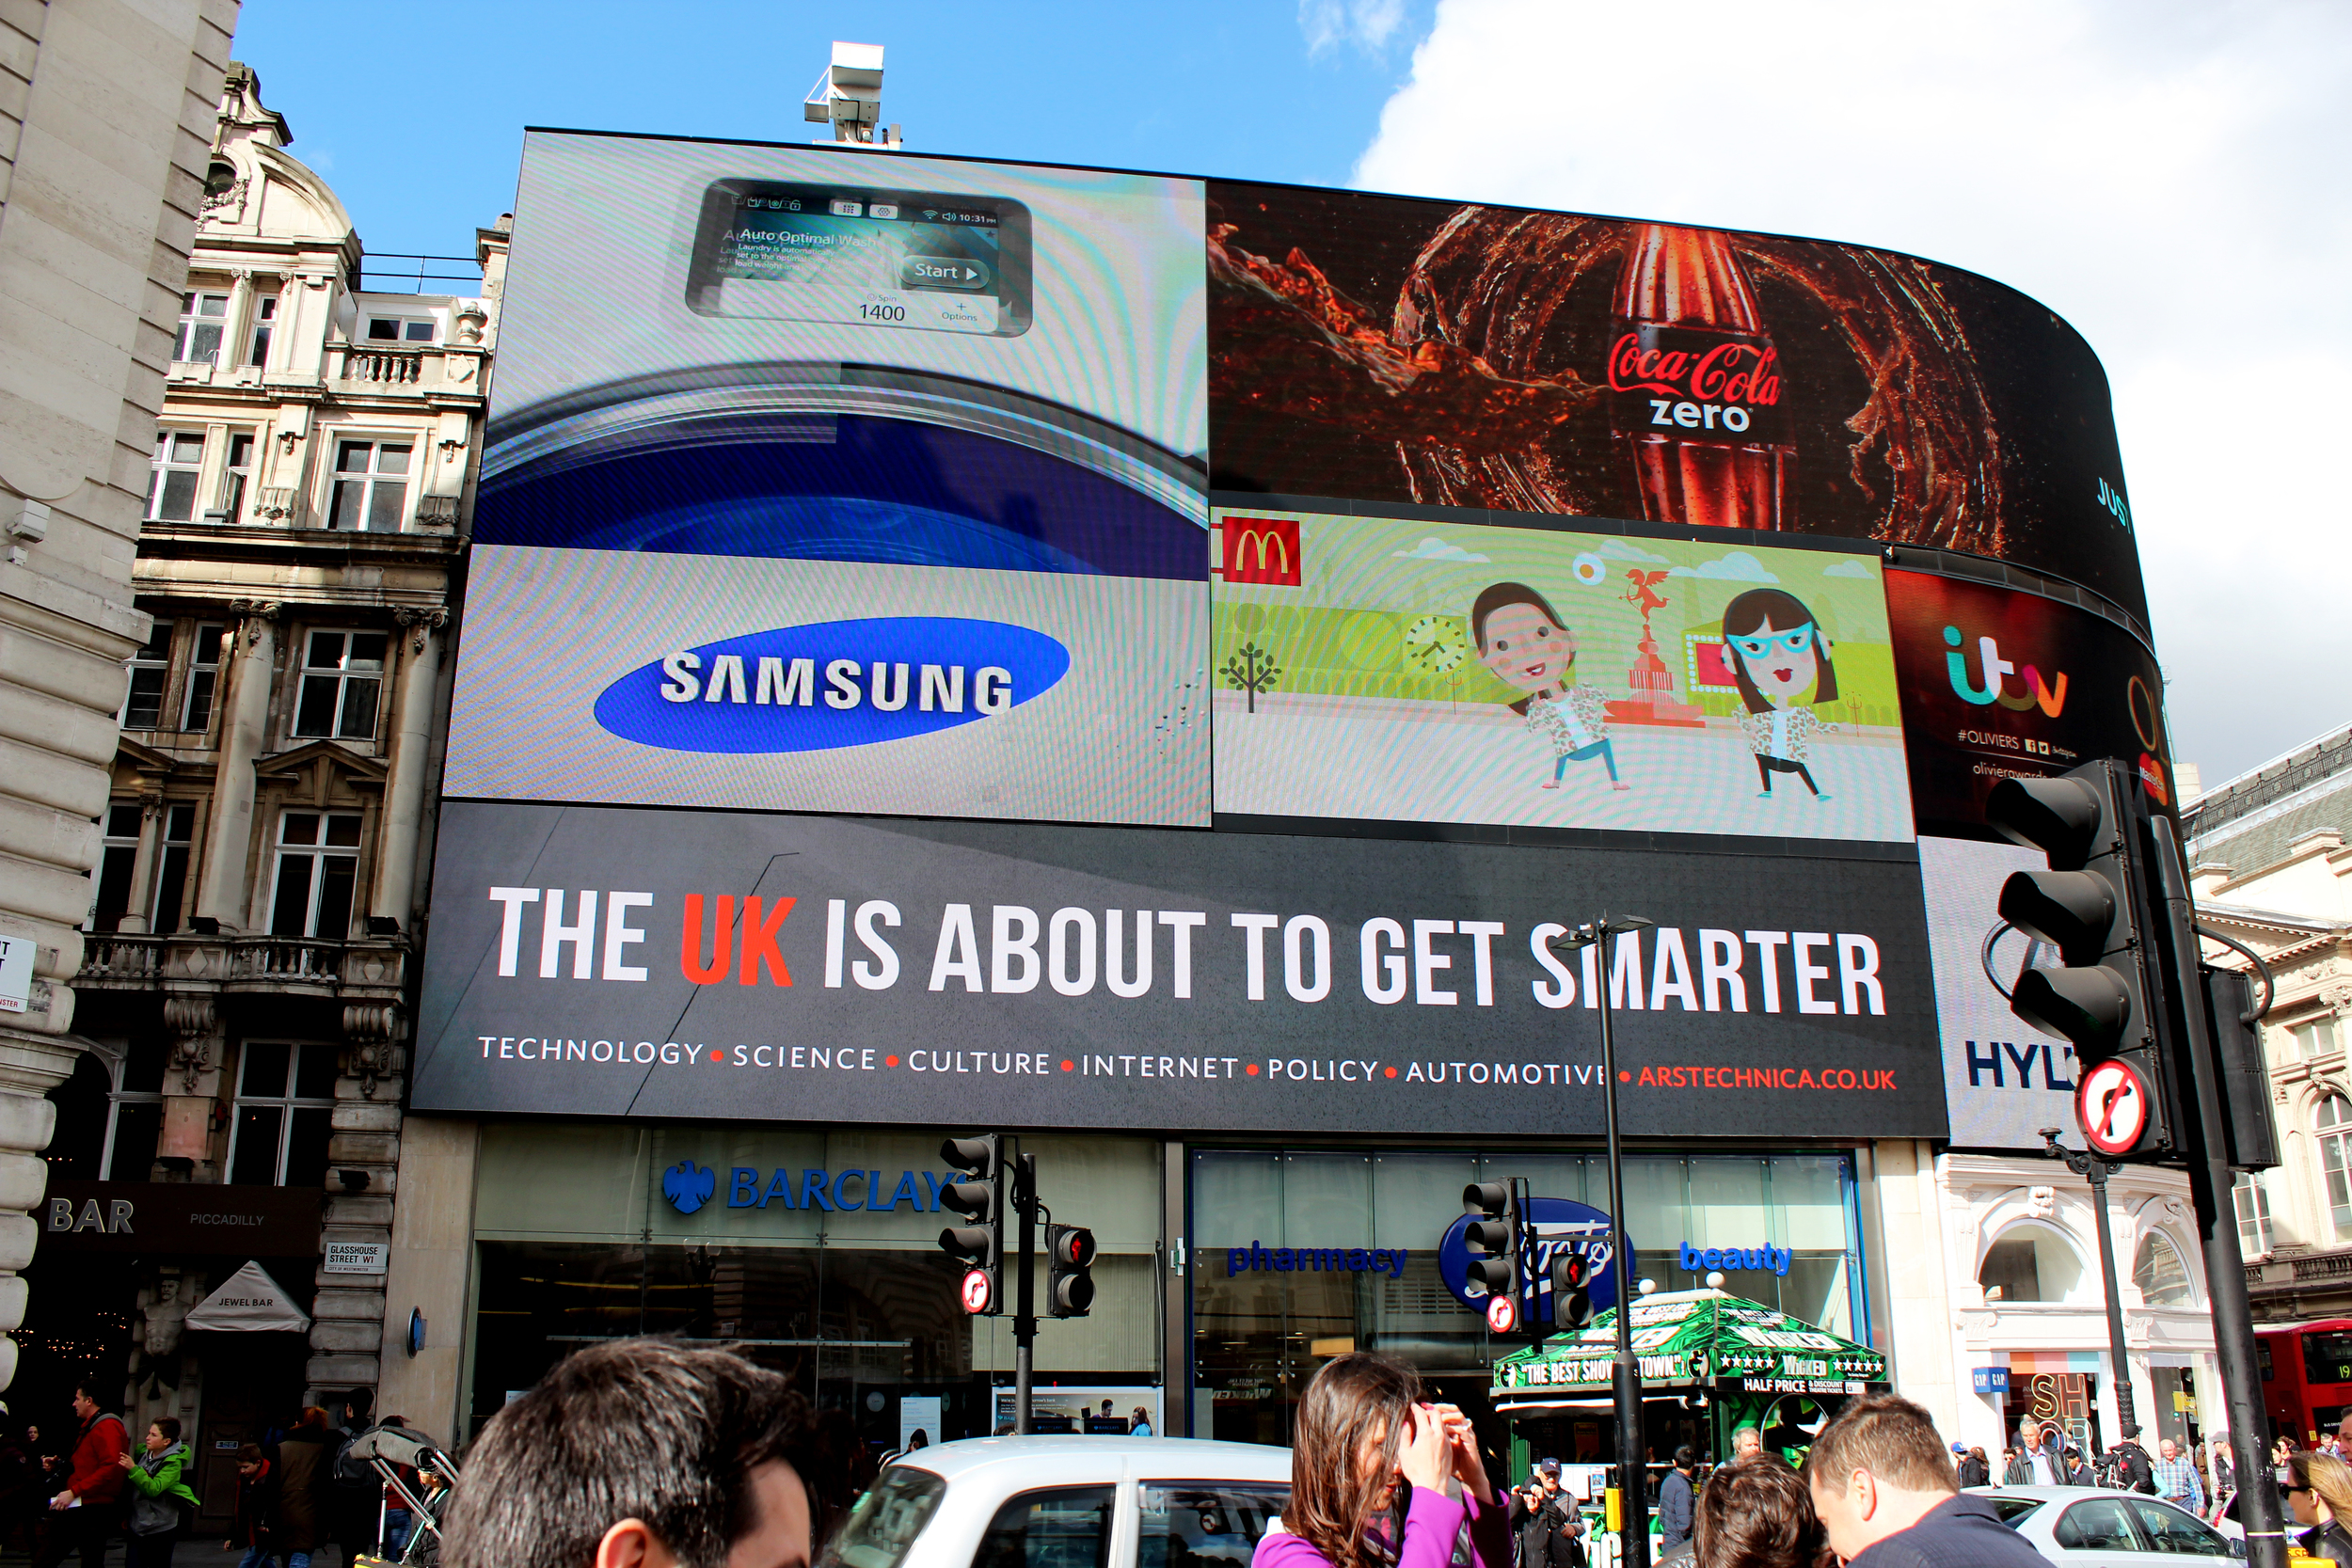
(1520, 638)
(1778, 650)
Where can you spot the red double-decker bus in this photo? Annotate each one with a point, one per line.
(2307, 1377)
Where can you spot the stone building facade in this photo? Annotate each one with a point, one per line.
(2270, 854)
(249, 966)
(106, 113)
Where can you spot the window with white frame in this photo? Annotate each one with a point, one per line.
(202, 320)
(172, 473)
(264, 324)
(318, 865)
(284, 1115)
(150, 667)
(135, 1112)
(171, 869)
(2316, 1037)
(399, 329)
(371, 486)
(239, 477)
(2252, 1202)
(2331, 1120)
(204, 661)
(2161, 1277)
(118, 860)
(343, 677)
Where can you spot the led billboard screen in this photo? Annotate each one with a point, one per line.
(814, 487)
(1385, 348)
(1998, 683)
(1406, 670)
(607, 961)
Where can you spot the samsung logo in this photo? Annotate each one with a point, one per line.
(831, 684)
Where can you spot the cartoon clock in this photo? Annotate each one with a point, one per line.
(1436, 644)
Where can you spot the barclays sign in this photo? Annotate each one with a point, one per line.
(688, 1187)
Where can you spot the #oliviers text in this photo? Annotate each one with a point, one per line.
(1012, 948)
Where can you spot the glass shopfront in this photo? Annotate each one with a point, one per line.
(1258, 1334)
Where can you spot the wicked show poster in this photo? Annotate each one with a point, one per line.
(1379, 348)
(1399, 670)
(1999, 683)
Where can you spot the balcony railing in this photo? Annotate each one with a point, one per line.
(2328, 1265)
(385, 367)
(118, 961)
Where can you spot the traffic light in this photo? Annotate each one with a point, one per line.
(1069, 1277)
(981, 1200)
(1493, 1234)
(2094, 905)
(1571, 1290)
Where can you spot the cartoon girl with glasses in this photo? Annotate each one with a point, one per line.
(1777, 651)
(1520, 638)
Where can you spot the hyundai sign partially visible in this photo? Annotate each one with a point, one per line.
(1560, 1225)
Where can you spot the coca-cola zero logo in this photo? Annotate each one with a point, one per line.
(1707, 387)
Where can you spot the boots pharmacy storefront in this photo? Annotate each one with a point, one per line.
(1106, 708)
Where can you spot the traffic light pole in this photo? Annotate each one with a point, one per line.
(1024, 1292)
(2096, 1171)
(1632, 1461)
(2211, 1180)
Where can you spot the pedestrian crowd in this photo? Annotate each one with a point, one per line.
(75, 1490)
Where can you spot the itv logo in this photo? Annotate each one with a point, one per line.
(2035, 693)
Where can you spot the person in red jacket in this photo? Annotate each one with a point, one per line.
(89, 1509)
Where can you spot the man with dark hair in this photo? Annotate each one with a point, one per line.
(641, 1453)
(89, 1511)
(356, 1491)
(1675, 1501)
(1882, 1481)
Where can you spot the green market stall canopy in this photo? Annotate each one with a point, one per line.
(1686, 1340)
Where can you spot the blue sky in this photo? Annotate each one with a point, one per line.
(2168, 175)
(415, 113)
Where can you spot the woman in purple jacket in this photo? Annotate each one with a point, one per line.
(1382, 1478)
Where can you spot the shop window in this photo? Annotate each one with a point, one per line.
(135, 1119)
(2161, 1277)
(150, 667)
(2253, 1201)
(343, 676)
(318, 864)
(117, 862)
(239, 479)
(204, 661)
(2332, 1121)
(1069, 1527)
(285, 1112)
(371, 486)
(172, 476)
(2030, 1262)
(202, 320)
(172, 870)
(399, 329)
(264, 324)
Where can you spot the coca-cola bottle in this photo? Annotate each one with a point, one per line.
(1695, 385)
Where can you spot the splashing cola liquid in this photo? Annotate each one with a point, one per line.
(1694, 379)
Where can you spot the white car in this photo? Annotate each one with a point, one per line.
(2090, 1527)
(1068, 1502)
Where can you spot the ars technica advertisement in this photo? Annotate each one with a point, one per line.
(1383, 348)
(820, 482)
(602, 962)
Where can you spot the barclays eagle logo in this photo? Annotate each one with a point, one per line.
(688, 1186)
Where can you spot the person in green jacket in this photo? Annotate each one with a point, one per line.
(161, 1502)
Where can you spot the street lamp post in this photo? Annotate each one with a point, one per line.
(2096, 1171)
(1632, 1469)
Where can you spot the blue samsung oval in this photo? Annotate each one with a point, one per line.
(834, 684)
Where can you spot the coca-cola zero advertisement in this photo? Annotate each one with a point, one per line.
(1383, 348)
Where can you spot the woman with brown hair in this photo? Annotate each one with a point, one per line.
(1380, 1478)
(2319, 1490)
(306, 1465)
(1758, 1515)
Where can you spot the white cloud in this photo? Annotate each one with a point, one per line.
(1369, 25)
(1435, 550)
(2158, 172)
(1626, 549)
(1739, 566)
(1847, 569)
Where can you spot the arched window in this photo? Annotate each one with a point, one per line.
(2333, 1122)
(2161, 1277)
(2030, 1262)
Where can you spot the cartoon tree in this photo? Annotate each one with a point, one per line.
(1252, 670)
